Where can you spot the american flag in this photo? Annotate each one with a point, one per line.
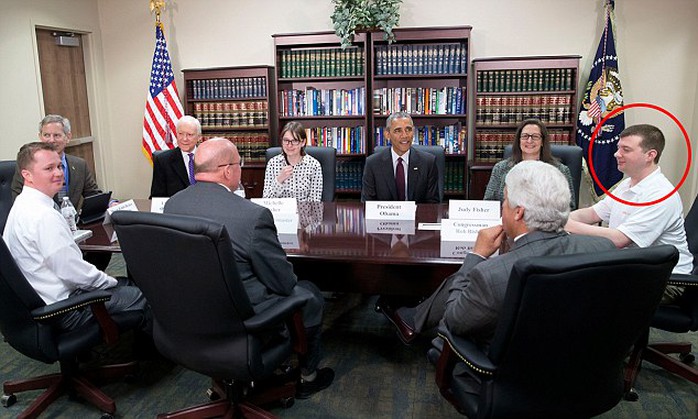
(162, 108)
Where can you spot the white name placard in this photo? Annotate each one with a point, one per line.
(474, 210)
(289, 241)
(463, 230)
(129, 205)
(284, 211)
(158, 205)
(456, 249)
(277, 205)
(391, 210)
(390, 226)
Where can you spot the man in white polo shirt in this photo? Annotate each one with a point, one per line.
(639, 150)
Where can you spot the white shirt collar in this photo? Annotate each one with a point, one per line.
(405, 157)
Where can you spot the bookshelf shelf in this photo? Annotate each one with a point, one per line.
(325, 88)
(425, 73)
(237, 103)
(509, 90)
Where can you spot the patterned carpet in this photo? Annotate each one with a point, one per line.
(377, 377)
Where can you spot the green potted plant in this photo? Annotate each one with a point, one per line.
(350, 16)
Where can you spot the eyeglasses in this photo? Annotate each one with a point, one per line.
(534, 137)
(241, 163)
(289, 142)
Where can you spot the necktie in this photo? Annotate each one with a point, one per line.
(191, 169)
(400, 180)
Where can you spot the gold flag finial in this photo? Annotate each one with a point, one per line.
(157, 6)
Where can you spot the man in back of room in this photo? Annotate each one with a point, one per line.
(79, 181)
(400, 173)
(173, 170)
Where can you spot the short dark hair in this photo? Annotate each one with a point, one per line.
(651, 138)
(26, 153)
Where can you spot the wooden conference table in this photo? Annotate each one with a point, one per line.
(336, 248)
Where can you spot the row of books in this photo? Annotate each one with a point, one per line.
(453, 138)
(322, 102)
(549, 79)
(416, 59)
(326, 62)
(232, 114)
(453, 178)
(346, 140)
(420, 100)
(229, 88)
(489, 145)
(548, 115)
(252, 147)
(349, 175)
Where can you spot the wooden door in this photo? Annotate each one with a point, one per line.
(65, 87)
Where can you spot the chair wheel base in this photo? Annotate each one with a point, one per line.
(212, 394)
(287, 402)
(631, 395)
(8, 400)
(687, 358)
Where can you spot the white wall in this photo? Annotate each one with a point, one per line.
(656, 43)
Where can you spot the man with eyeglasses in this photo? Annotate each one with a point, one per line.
(173, 170)
(400, 173)
(639, 150)
(261, 262)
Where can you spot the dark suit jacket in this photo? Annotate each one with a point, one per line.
(261, 261)
(379, 178)
(169, 174)
(477, 291)
(81, 182)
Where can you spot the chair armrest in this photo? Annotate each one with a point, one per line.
(683, 280)
(49, 312)
(279, 312)
(469, 353)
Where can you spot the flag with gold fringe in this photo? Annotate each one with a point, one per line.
(162, 108)
(603, 94)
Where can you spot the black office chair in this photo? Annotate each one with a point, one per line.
(7, 172)
(679, 317)
(202, 317)
(570, 156)
(327, 156)
(440, 155)
(565, 327)
(27, 324)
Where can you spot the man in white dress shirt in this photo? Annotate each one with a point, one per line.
(42, 244)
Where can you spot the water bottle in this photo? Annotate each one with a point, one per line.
(69, 213)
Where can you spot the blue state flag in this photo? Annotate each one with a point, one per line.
(602, 96)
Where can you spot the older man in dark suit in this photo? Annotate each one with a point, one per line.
(79, 180)
(173, 170)
(534, 213)
(400, 173)
(266, 273)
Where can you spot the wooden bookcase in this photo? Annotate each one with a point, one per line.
(425, 73)
(237, 103)
(511, 89)
(325, 88)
